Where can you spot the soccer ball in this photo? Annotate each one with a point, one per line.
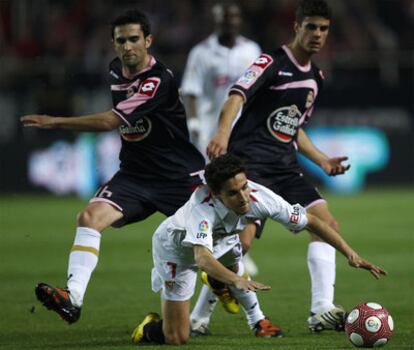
(369, 325)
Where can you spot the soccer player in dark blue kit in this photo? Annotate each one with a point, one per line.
(277, 95)
(157, 157)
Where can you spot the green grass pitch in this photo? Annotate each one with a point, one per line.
(36, 234)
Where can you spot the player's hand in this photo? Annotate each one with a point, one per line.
(248, 285)
(334, 166)
(218, 145)
(358, 262)
(37, 121)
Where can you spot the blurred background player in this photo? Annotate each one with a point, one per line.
(277, 94)
(203, 234)
(213, 66)
(156, 155)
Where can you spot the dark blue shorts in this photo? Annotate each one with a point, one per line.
(138, 199)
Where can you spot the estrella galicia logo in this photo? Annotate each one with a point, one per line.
(203, 229)
(136, 132)
(283, 123)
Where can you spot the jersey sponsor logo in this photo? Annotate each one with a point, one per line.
(284, 122)
(136, 132)
(149, 87)
(263, 61)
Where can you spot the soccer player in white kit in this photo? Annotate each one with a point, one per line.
(213, 66)
(204, 234)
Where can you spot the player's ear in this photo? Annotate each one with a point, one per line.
(296, 26)
(148, 41)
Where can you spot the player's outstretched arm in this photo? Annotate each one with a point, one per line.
(218, 144)
(104, 121)
(206, 262)
(330, 236)
(331, 166)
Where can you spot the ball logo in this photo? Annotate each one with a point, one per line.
(353, 316)
(149, 87)
(136, 132)
(283, 123)
(373, 324)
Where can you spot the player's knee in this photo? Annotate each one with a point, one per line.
(86, 218)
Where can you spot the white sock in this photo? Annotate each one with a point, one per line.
(322, 268)
(203, 308)
(249, 302)
(82, 261)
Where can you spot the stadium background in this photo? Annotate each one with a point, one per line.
(53, 59)
(55, 55)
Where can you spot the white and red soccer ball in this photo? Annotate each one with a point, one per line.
(369, 325)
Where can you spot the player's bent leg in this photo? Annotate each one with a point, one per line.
(201, 313)
(325, 315)
(99, 216)
(176, 323)
(222, 291)
(83, 259)
(256, 320)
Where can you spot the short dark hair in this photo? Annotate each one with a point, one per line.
(132, 17)
(222, 168)
(310, 8)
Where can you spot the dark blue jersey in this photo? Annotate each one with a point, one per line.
(155, 138)
(279, 96)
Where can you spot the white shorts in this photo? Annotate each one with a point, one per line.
(176, 282)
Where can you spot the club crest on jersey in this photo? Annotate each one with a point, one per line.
(169, 285)
(136, 132)
(283, 123)
(149, 87)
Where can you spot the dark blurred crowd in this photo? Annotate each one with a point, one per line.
(55, 50)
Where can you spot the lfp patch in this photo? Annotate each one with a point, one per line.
(203, 226)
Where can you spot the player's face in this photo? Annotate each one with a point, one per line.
(235, 194)
(312, 33)
(230, 21)
(131, 45)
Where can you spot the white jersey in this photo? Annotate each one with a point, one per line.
(205, 221)
(210, 71)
